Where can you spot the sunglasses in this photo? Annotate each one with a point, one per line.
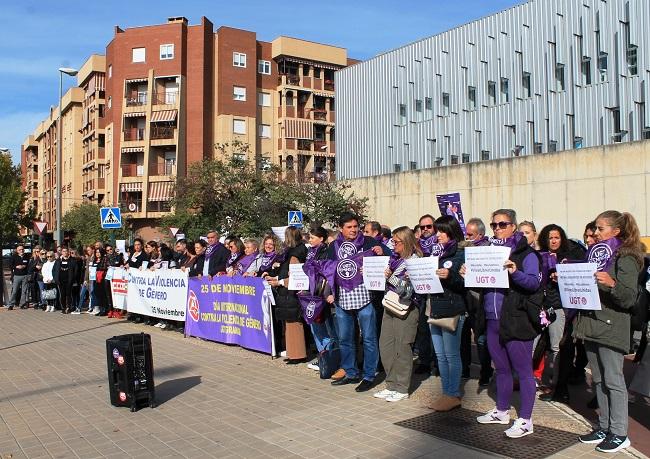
(500, 225)
(426, 227)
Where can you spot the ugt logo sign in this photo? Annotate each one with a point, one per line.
(486, 280)
(578, 300)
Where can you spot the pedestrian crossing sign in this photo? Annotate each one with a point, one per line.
(110, 217)
(295, 218)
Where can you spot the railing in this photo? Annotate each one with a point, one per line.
(137, 101)
(329, 85)
(304, 144)
(319, 144)
(131, 205)
(162, 169)
(134, 134)
(100, 152)
(289, 79)
(159, 206)
(320, 114)
(165, 98)
(162, 132)
(132, 170)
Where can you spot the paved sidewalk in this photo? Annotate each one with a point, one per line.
(214, 401)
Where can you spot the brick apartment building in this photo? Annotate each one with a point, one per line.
(164, 95)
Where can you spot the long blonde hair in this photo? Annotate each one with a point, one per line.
(407, 236)
(629, 234)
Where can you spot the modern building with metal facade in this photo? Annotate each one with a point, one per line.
(543, 76)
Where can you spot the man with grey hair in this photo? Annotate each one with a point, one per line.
(216, 255)
(475, 232)
(19, 263)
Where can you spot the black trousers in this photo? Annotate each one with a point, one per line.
(65, 295)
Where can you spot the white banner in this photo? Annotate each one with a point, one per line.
(484, 266)
(374, 272)
(119, 288)
(298, 280)
(159, 293)
(422, 274)
(578, 286)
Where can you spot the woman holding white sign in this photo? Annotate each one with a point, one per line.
(446, 312)
(398, 330)
(619, 255)
(510, 327)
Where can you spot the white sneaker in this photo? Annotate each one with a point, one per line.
(397, 397)
(158, 325)
(283, 354)
(383, 394)
(163, 325)
(51, 309)
(75, 312)
(313, 366)
(494, 417)
(520, 428)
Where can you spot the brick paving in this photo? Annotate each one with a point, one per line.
(214, 401)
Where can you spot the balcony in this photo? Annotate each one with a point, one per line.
(159, 206)
(132, 170)
(162, 132)
(288, 78)
(304, 145)
(320, 114)
(162, 169)
(134, 134)
(320, 145)
(165, 98)
(329, 85)
(137, 100)
(131, 205)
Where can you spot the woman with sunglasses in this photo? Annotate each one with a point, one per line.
(236, 247)
(510, 330)
(48, 282)
(99, 265)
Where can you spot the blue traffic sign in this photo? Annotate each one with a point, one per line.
(111, 217)
(294, 218)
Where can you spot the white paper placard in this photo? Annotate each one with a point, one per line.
(120, 246)
(298, 280)
(374, 272)
(279, 231)
(484, 267)
(109, 273)
(92, 273)
(578, 286)
(422, 273)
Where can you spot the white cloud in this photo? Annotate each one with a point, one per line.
(15, 127)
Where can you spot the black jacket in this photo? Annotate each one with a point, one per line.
(70, 265)
(452, 301)
(197, 266)
(217, 261)
(287, 306)
(552, 298)
(17, 260)
(34, 268)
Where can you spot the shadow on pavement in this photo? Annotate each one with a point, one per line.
(175, 387)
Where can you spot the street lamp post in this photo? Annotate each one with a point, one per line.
(59, 155)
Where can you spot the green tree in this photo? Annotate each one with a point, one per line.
(235, 196)
(84, 222)
(13, 213)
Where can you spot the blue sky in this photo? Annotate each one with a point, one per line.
(38, 37)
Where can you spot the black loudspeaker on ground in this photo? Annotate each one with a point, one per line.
(130, 370)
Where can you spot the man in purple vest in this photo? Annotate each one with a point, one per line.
(353, 301)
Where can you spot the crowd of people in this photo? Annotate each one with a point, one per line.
(526, 339)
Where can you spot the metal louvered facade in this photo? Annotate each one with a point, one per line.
(546, 75)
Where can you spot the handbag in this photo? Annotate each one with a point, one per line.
(329, 360)
(396, 305)
(49, 294)
(448, 323)
(312, 307)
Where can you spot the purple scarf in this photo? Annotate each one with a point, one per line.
(549, 263)
(312, 307)
(345, 249)
(233, 258)
(604, 253)
(267, 261)
(311, 254)
(511, 242)
(344, 273)
(244, 262)
(481, 241)
(427, 243)
(209, 251)
(440, 250)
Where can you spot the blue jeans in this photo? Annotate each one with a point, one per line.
(447, 347)
(41, 289)
(368, 325)
(83, 294)
(324, 333)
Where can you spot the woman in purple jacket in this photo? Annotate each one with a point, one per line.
(512, 324)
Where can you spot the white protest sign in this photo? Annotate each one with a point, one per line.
(109, 273)
(119, 287)
(160, 293)
(374, 277)
(298, 280)
(484, 267)
(92, 273)
(279, 231)
(422, 274)
(578, 287)
(120, 245)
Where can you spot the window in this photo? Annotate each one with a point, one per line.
(166, 52)
(552, 146)
(632, 62)
(602, 66)
(289, 99)
(465, 158)
(265, 131)
(492, 93)
(239, 59)
(428, 107)
(264, 99)
(418, 109)
(138, 55)
(402, 114)
(538, 147)
(505, 90)
(485, 155)
(238, 126)
(263, 67)
(397, 168)
(616, 118)
(305, 69)
(239, 93)
(471, 98)
(110, 71)
(445, 104)
(577, 142)
(525, 83)
(316, 72)
(585, 68)
(413, 165)
(559, 77)
(454, 159)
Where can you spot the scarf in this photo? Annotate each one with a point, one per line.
(604, 253)
(511, 242)
(267, 261)
(440, 250)
(481, 241)
(345, 249)
(233, 258)
(344, 273)
(311, 254)
(244, 262)
(426, 244)
(211, 249)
